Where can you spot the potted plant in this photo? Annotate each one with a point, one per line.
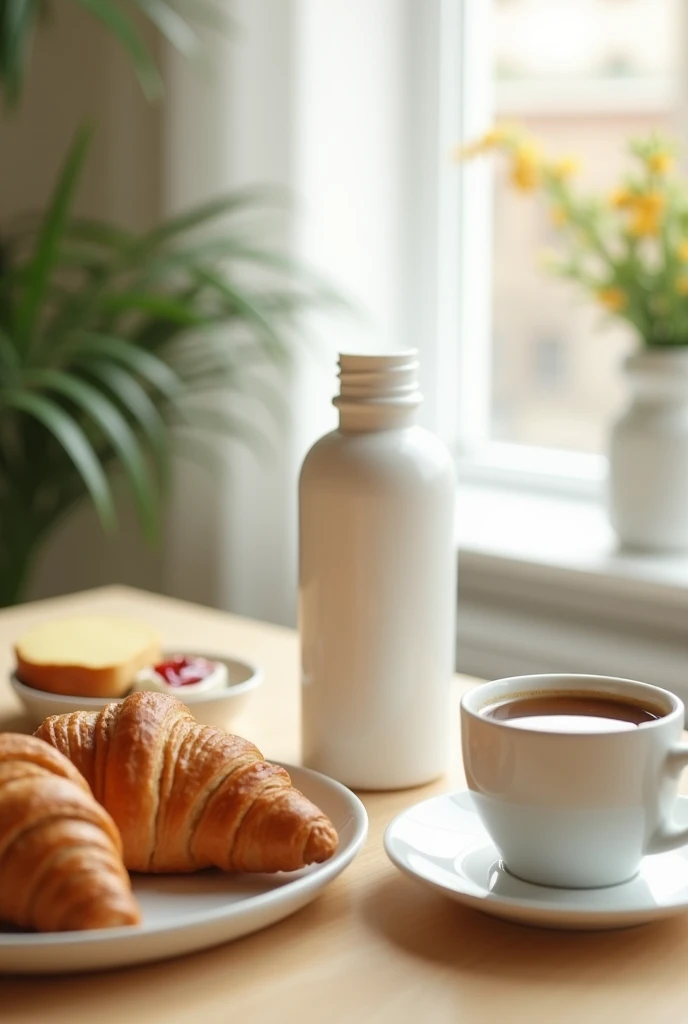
(112, 343)
(629, 251)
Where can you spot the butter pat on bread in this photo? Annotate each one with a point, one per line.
(86, 656)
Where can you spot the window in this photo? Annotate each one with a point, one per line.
(584, 76)
(549, 369)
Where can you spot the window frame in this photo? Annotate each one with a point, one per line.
(463, 356)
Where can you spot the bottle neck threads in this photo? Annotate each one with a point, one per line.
(378, 392)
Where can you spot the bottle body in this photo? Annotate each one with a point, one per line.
(377, 601)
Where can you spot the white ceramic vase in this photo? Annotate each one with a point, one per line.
(648, 454)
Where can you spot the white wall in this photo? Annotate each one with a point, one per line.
(226, 128)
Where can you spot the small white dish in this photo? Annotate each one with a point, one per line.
(184, 913)
(442, 843)
(215, 707)
(214, 676)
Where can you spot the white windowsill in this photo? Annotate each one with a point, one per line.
(544, 587)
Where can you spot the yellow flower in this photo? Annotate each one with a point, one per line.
(650, 202)
(559, 216)
(471, 149)
(494, 137)
(490, 140)
(682, 251)
(643, 225)
(646, 211)
(613, 298)
(621, 198)
(682, 284)
(565, 168)
(660, 162)
(526, 168)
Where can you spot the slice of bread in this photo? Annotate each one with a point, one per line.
(88, 656)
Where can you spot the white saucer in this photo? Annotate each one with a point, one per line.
(442, 843)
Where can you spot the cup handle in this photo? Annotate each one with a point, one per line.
(668, 836)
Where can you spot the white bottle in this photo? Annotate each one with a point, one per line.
(377, 584)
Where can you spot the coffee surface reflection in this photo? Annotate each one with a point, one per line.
(571, 712)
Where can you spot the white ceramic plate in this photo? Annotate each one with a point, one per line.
(184, 913)
(443, 844)
(217, 707)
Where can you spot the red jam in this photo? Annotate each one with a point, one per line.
(182, 671)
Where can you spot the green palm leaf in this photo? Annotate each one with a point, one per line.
(117, 344)
(205, 12)
(8, 353)
(98, 233)
(223, 422)
(161, 306)
(136, 400)
(231, 248)
(113, 18)
(72, 438)
(241, 300)
(198, 451)
(239, 200)
(114, 425)
(172, 18)
(227, 378)
(172, 26)
(17, 18)
(118, 350)
(47, 242)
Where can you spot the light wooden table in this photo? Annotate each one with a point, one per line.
(374, 946)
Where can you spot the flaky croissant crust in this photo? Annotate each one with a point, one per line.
(60, 852)
(186, 796)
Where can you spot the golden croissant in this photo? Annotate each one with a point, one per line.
(186, 796)
(60, 853)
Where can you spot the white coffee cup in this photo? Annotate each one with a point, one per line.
(575, 809)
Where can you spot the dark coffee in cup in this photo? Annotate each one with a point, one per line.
(571, 712)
